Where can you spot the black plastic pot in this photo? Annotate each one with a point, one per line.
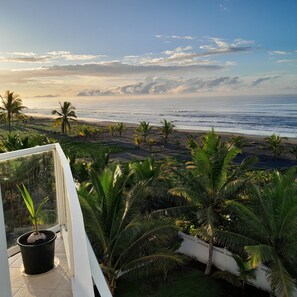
(39, 257)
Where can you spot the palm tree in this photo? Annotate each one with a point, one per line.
(11, 107)
(144, 129)
(127, 244)
(274, 143)
(270, 221)
(245, 270)
(66, 114)
(120, 127)
(166, 129)
(210, 183)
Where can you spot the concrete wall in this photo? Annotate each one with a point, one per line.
(222, 259)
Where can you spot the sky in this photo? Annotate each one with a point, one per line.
(111, 48)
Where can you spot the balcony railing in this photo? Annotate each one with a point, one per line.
(83, 265)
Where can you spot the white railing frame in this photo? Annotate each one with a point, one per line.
(4, 279)
(71, 225)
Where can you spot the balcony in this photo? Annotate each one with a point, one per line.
(76, 267)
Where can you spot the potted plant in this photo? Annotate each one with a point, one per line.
(38, 246)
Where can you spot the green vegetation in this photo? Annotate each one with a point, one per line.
(66, 115)
(14, 141)
(270, 222)
(210, 183)
(120, 128)
(274, 143)
(246, 272)
(144, 129)
(211, 196)
(127, 244)
(36, 215)
(11, 106)
(166, 129)
(186, 282)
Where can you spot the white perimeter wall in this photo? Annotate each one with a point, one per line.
(222, 259)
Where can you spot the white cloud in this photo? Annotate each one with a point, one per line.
(279, 53)
(159, 85)
(187, 37)
(217, 45)
(30, 57)
(287, 61)
(178, 50)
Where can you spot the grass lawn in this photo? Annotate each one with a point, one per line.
(189, 281)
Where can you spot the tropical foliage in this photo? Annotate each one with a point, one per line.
(127, 244)
(66, 115)
(120, 127)
(144, 129)
(11, 106)
(274, 143)
(246, 272)
(14, 141)
(270, 220)
(210, 183)
(166, 129)
(36, 214)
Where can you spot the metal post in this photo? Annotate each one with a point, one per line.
(4, 268)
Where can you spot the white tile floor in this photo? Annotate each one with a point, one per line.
(54, 283)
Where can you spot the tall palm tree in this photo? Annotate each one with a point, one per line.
(166, 129)
(211, 181)
(144, 129)
(127, 244)
(270, 220)
(12, 106)
(66, 114)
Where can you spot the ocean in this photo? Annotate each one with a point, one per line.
(254, 115)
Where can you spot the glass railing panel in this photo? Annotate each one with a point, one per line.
(37, 173)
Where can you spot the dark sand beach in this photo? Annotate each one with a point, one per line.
(253, 145)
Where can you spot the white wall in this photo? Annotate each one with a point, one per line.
(222, 259)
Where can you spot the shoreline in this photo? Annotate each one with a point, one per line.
(254, 146)
(190, 130)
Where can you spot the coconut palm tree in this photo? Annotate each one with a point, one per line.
(144, 129)
(166, 129)
(127, 244)
(274, 143)
(245, 270)
(210, 182)
(120, 127)
(270, 220)
(11, 107)
(66, 114)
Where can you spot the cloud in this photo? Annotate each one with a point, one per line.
(30, 57)
(287, 61)
(262, 79)
(187, 37)
(187, 56)
(279, 53)
(112, 69)
(47, 96)
(178, 50)
(220, 46)
(159, 85)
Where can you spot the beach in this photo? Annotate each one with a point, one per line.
(176, 147)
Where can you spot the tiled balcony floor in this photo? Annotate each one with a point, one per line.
(55, 283)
